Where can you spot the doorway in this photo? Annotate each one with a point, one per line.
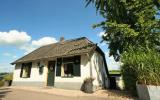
(113, 83)
(51, 73)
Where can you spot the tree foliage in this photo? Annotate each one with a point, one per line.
(129, 23)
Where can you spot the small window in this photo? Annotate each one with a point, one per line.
(41, 67)
(26, 70)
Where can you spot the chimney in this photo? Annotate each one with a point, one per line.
(61, 39)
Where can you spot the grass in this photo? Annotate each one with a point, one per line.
(114, 72)
(5, 77)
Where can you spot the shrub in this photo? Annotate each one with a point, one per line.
(1, 83)
(140, 66)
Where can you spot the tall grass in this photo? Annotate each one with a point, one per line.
(140, 66)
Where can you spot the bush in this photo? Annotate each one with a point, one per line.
(140, 66)
(8, 77)
(1, 83)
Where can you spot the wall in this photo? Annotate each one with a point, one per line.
(98, 71)
(119, 83)
(35, 78)
(91, 66)
(74, 82)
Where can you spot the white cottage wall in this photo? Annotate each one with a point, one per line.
(98, 71)
(35, 78)
(76, 81)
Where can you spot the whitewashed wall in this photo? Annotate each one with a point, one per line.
(90, 67)
(98, 71)
(35, 77)
(85, 72)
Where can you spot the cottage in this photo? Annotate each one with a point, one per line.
(64, 64)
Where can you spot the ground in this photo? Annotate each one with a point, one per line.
(14, 93)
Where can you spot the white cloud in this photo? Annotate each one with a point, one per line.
(6, 54)
(22, 41)
(9, 55)
(43, 41)
(14, 38)
(29, 47)
(6, 67)
(112, 64)
(101, 34)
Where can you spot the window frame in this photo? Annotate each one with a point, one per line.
(63, 76)
(29, 70)
(63, 61)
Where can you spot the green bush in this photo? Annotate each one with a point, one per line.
(8, 77)
(1, 83)
(140, 66)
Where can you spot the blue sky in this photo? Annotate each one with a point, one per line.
(28, 24)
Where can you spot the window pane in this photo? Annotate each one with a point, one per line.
(68, 69)
(26, 70)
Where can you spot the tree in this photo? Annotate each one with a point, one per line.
(129, 23)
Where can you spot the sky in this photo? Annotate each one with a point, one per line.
(28, 24)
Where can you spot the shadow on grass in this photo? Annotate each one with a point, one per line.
(4, 91)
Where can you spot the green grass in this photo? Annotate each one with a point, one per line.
(114, 72)
(5, 77)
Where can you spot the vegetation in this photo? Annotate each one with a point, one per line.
(131, 28)
(141, 66)
(129, 23)
(5, 77)
(114, 72)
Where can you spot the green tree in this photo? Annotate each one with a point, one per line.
(129, 23)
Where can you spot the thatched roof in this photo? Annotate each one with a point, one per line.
(66, 48)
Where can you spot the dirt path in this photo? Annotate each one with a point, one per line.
(16, 94)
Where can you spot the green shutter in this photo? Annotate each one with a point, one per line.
(76, 70)
(58, 67)
(77, 67)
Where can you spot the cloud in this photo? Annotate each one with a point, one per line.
(14, 38)
(101, 34)
(43, 41)
(6, 67)
(29, 47)
(112, 64)
(9, 55)
(23, 41)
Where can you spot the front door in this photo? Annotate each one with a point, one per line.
(51, 73)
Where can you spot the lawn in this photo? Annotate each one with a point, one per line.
(114, 72)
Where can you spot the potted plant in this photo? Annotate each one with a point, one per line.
(88, 85)
(148, 76)
(141, 71)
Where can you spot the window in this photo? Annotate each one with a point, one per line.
(68, 67)
(25, 70)
(41, 67)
